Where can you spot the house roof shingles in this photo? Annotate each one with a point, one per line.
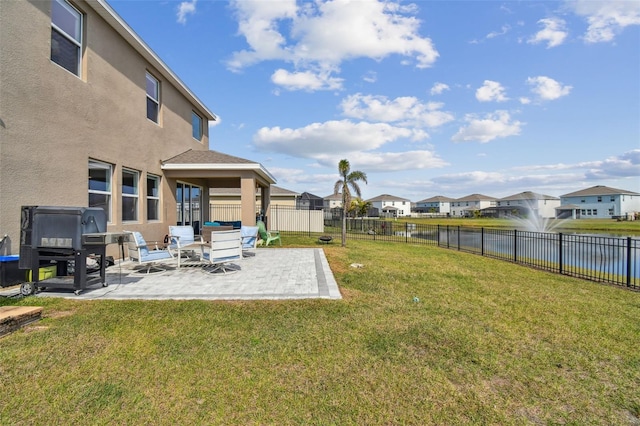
(599, 190)
(206, 157)
(386, 197)
(437, 199)
(528, 195)
(476, 197)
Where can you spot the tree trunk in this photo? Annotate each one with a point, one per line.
(344, 227)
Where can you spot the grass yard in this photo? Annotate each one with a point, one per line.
(485, 342)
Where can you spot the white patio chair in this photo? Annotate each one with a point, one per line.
(249, 239)
(182, 241)
(226, 248)
(139, 252)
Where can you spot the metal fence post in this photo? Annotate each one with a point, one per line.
(628, 261)
(458, 237)
(560, 253)
(482, 241)
(515, 245)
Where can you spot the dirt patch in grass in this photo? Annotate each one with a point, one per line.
(58, 314)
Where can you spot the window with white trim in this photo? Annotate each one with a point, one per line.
(196, 126)
(153, 98)
(66, 36)
(100, 186)
(130, 180)
(153, 197)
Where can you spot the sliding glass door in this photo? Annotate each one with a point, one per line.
(189, 200)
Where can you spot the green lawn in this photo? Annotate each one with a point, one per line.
(485, 342)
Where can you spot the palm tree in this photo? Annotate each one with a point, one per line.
(348, 179)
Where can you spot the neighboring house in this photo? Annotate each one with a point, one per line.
(599, 202)
(526, 204)
(438, 204)
(333, 201)
(391, 206)
(91, 116)
(308, 201)
(471, 205)
(231, 197)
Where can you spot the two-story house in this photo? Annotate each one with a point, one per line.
(91, 116)
(438, 204)
(599, 202)
(390, 205)
(471, 205)
(333, 201)
(527, 203)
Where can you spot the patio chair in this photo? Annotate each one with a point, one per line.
(226, 248)
(182, 241)
(249, 239)
(139, 252)
(267, 236)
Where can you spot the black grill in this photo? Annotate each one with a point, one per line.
(55, 235)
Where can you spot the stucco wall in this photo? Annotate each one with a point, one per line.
(53, 122)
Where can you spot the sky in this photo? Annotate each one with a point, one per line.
(427, 98)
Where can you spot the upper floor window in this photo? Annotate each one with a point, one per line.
(100, 186)
(153, 98)
(196, 126)
(66, 36)
(599, 199)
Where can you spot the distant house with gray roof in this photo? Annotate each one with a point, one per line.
(391, 206)
(599, 202)
(468, 206)
(526, 204)
(438, 204)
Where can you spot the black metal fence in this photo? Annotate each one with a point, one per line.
(606, 259)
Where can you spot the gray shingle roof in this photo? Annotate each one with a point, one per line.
(387, 197)
(599, 190)
(437, 198)
(528, 195)
(206, 157)
(475, 197)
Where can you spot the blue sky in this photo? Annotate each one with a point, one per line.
(426, 97)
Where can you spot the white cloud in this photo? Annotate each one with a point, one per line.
(553, 32)
(547, 89)
(505, 29)
(370, 77)
(214, 123)
(483, 130)
(186, 8)
(524, 100)
(371, 162)
(626, 165)
(438, 88)
(337, 137)
(284, 30)
(491, 91)
(606, 18)
(406, 110)
(306, 80)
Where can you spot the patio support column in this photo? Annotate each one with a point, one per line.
(266, 204)
(248, 201)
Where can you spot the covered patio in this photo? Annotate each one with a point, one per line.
(212, 169)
